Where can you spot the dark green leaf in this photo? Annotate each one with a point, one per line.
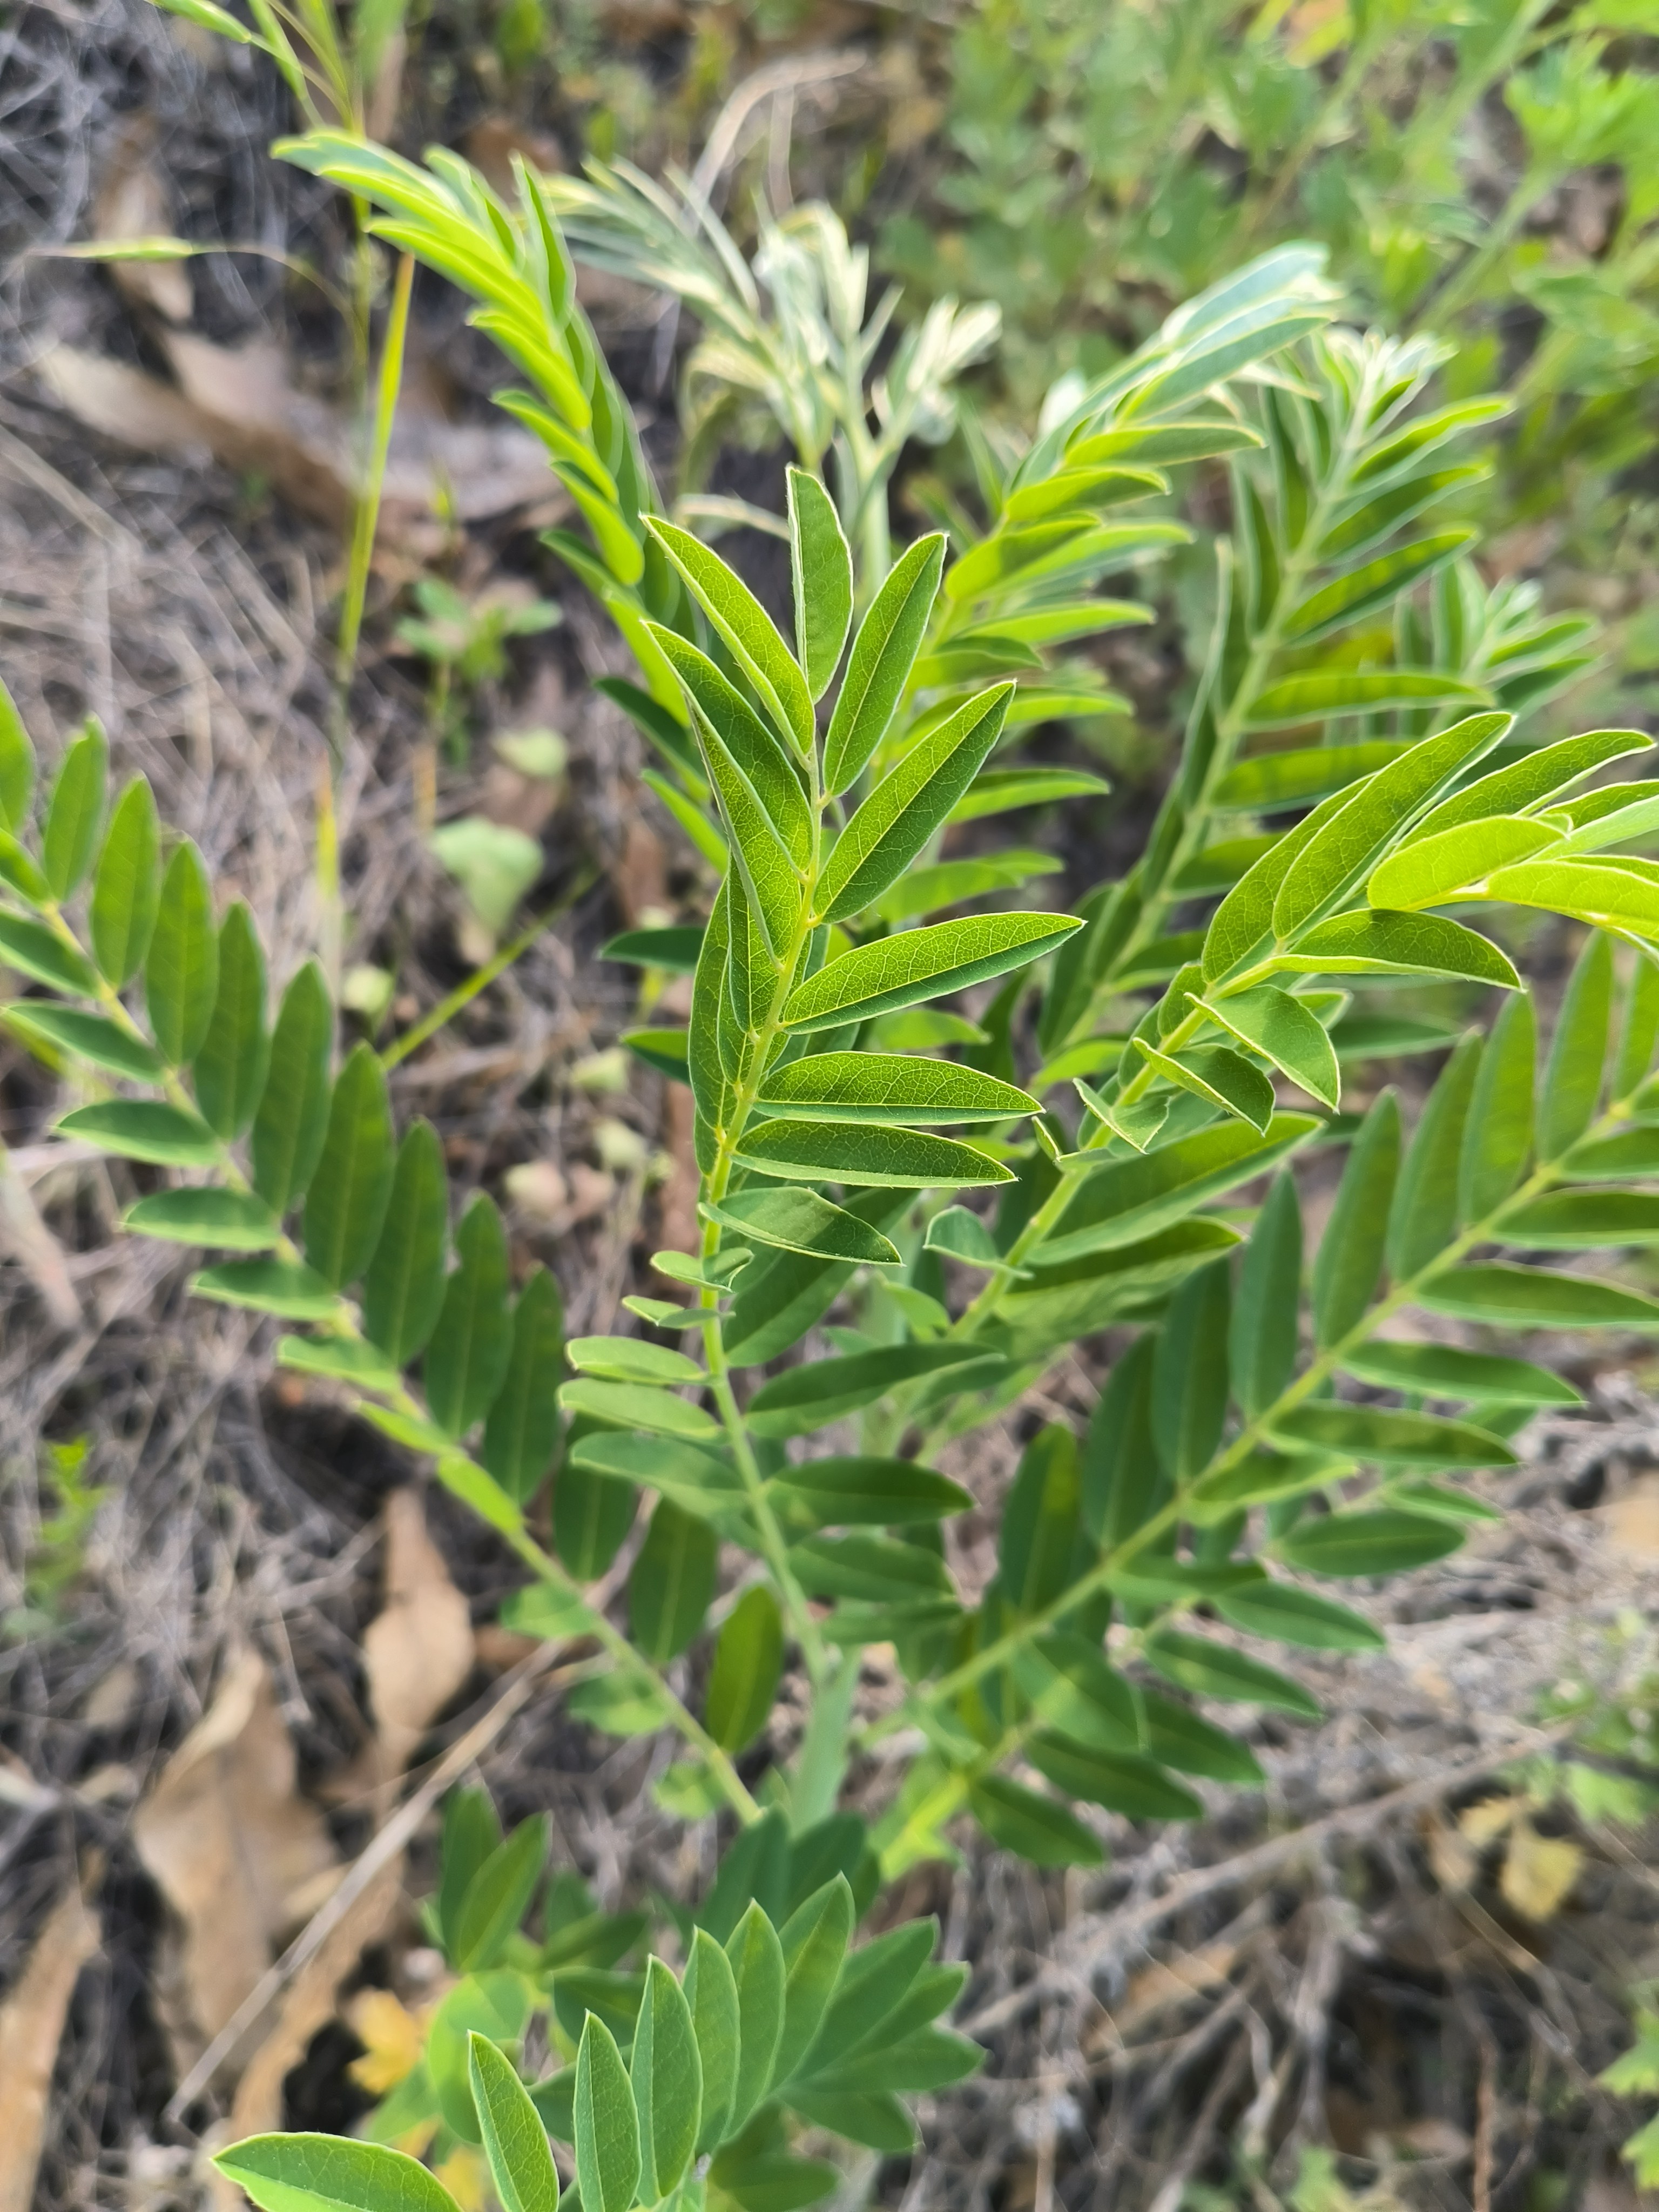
(757, 1966)
(126, 885)
(1531, 1298)
(143, 1129)
(352, 1186)
(607, 2126)
(1039, 1554)
(494, 1903)
(1263, 1343)
(92, 1037)
(1032, 1826)
(1124, 1201)
(822, 569)
(1189, 1373)
(1376, 1433)
(1446, 1370)
(229, 1220)
(672, 1582)
(823, 1391)
(292, 1119)
(592, 1515)
(1498, 1135)
(743, 1680)
(675, 949)
(638, 1406)
(890, 1088)
(181, 968)
(36, 951)
(404, 1289)
(844, 1153)
(869, 1492)
(801, 1221)
(711, 1991)
(1192, 1745)
(522, 1431)
(1574, 1219)
(756, 750)
(286, 1288)
(1288, 1616)
(752, 637)
(1368, 1543)
(466, 1360)
(1121, 1781)
(74, 812)
(234, 1059)
(16, 765)
(814, 1939)
(1214, 1670)
(1572, 1074)
(1423, 1219)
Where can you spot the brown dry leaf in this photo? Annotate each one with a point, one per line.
(1539, 1872)
(1632, 1521)
(1484, 1822)
(237, 1853)
(31, 2026)
(1432, 2138)
(1452, 1863)
(239, 405)
(133, 202)
(1159, 1985)
(419, 1651)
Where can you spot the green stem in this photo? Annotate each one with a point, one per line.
(366, 515)
(1251, 1433)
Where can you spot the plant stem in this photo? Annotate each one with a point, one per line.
(367, 512)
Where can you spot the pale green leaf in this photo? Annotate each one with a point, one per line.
(820, 567)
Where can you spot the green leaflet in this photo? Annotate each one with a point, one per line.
(292, 1117)
(234, 1059)
(404, 1288)
(1213, 1670)
(1540, 775)
(352, 1186)
(1263, 1343)
(1189, 1373)
(1528, 1297)
(1319, 695)
(814, 1939)
(921, 963)
(286, 1288)
(1285, 1614)
(228, 1220)
(522, 1431)
(890, 1088)
(1432, 869)
(328, 2173)
(466, 1359)
(742, 1685)
(1335, 858)
(756, 1957)
(495, 1898)
(1423, 1219)
(746, 626)
(1595, 890)
(1397, 945)
(1571, 1219)
(74, 812)
(1039, 1552)
(672, 1583)
(1578, 1051)
(884, 652)
(181, 968)
(92, 1037)
(1357, 593)
(844, 1152)
(1498, 1134)
(145, 1129)
(1384, 1542)
(1446, 1370)
(821, 569)
(628, 1359)
(1121, 1781)
(1377, 1432)
(667, 2081)
(16, 765)
(812, 1396)
(1001, 790)
(607, 2126)
(1285, 1031)
(1124, 1201)
(637, 1406)
(771, 875)
(1269, 781)
(869, 1492)
(758, 753)
(801, 1221)
(126, 886)
(711, 1991)
(1220, 1076)
(514, 2139)
(1349, 1264)
(911, 802)
(1030, 1826)
(1245, 916)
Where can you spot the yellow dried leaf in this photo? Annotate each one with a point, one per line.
(465, 2175)
(1484, 1823)
(1453, 1864)
(1539, 1872)
(393, 2040)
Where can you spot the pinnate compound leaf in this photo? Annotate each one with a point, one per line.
(744, 1679)
(666, 2070)
(821, 568)
(1349, 1263)
(844, 1152)
(352, 1186)
(515, 2140)
(143, 1129)
(1380, 1542)
(884, 652)
(801, 1221)
(292, 1117)
(921, 963)
(747, 629)
(466, 1359)
(1383, 943)
(757, 1966)
(404, 1289)
(913, 801)
(607, 2125)
(126, 886)
(1214, 1670)
(1429, 870)
(330, 2174)
(890, 1087)
(74, 812)
(234, 1058)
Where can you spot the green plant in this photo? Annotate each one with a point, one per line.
(56, 1557)
(1231, 1462)
(463, 642)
